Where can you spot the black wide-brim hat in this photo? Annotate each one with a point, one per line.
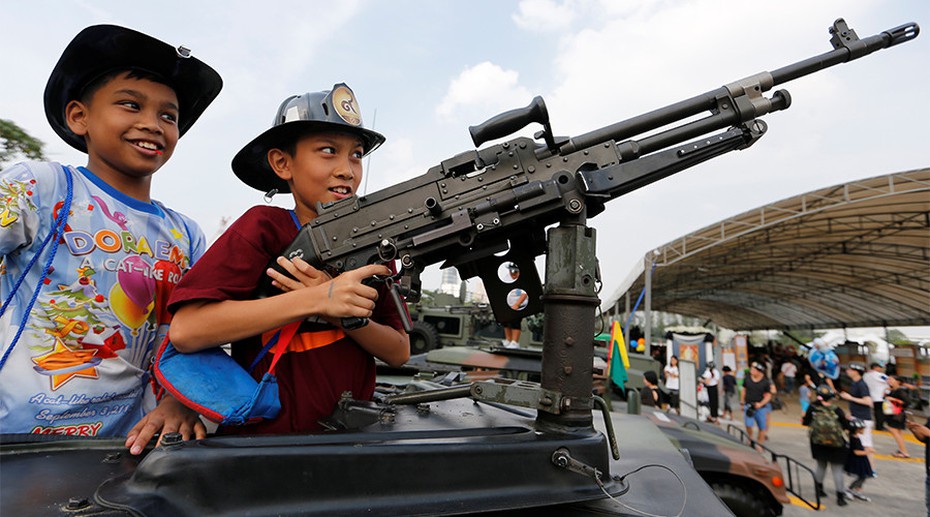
(327, 110)
(101, 49)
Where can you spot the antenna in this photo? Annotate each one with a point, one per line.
(374, 120)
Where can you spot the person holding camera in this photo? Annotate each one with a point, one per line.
(756, 400)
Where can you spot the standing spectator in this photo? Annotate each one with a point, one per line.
(671, 382)
(517, 299)
(649, 396)
(729, 393)
(877, 382)
(860, 402)
(755, 398)
(711, 380)
(893, 407)
(805, 392)
(789, 370)
(922, 433)
(828, 443)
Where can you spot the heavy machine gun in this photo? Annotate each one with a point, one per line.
(488, 207)
(486, 201)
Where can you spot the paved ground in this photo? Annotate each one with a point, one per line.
(897, 491)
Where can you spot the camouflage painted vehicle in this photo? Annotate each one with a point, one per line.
(745, 480)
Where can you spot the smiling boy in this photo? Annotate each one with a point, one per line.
(78, 335)
(314, 151)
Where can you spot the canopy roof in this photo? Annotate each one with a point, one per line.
(851, 255)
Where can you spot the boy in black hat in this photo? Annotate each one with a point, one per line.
(89, 257)
(314, 151)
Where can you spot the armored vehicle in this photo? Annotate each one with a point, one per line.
(745, 480)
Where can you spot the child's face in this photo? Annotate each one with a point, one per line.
(326, 167)
(130, 126)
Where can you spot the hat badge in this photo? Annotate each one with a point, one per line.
(346, 106)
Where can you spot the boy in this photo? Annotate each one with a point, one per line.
(77, 362)
(314, 151)
(730, 396)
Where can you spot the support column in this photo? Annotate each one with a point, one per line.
(647, 303)
(626, 318)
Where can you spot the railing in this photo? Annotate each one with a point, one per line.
(791, 468)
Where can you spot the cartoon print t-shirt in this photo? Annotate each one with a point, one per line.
(80, 364)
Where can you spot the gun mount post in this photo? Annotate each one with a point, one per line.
(569, 301)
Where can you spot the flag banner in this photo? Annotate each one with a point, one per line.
(618, 359)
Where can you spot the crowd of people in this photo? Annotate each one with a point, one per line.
(841, 413)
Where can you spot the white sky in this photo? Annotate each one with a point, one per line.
(425, 70)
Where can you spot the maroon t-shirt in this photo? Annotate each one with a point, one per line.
(311, 382)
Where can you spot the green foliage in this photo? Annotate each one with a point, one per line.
(16, 144)
(896, 337)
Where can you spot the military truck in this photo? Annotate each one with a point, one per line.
(444, 320)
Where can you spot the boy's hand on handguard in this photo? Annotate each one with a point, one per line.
(170, 416)
(305, 275)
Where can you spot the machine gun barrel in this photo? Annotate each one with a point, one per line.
(847, 47)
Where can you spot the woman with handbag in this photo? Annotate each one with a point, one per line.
(893, 409)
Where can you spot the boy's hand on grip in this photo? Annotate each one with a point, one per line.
(349, 297)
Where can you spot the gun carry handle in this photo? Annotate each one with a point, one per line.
(508, 122)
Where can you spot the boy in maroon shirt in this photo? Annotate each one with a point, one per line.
(314, 150)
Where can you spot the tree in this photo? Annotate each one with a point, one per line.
(16, 144)
(896, 337)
